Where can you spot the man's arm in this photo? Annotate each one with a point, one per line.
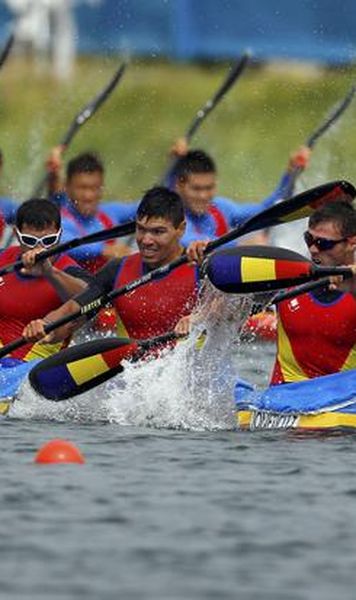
(103, 283)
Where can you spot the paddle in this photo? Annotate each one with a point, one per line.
(300, 289)
(299, 206)
(209, 106)
(80, 368)
(252, 269)
(83, 116)
(7, 48)
(335, 114)
(99, 236)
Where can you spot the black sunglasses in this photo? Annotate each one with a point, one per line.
(319, 242)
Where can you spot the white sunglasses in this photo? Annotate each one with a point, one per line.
(31, 241)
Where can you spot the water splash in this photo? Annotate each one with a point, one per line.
(189, 387)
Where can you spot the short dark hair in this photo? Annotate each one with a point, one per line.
(88, 162)
(161, 202)
(195, 161)
(38, 213)
(342, 214)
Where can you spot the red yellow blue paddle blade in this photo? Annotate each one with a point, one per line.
(78, 369)
(257, 268)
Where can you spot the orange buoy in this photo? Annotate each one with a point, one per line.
(59, 451)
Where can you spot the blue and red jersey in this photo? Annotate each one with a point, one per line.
(75, 225)
(225, 214)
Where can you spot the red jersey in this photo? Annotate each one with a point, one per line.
(24, 298)
(315, 337)
(156, 307)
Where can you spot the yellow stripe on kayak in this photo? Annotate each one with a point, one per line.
(255, 269)
(86, 368)
(5, 407)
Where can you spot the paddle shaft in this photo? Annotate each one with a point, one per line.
(300, 289)
(7, 48)
(267, 218)
(227, 84)
(209, 106)
(92, 238)
(323, 127)
(83, 116)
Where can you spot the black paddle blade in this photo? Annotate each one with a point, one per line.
(78, 369)
(249, 269)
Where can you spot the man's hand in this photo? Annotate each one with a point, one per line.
(39, 269)
(34, 331)
(195, 251)
(337, 282)
(183, 326)
(299, 160)
(179, 148)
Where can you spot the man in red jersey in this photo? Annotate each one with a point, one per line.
(317, 331)
(33, 291)
(156, 307)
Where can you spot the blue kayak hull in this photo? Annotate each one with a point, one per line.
(12, 375)
(327, 402)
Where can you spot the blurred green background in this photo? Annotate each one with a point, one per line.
(270, 112)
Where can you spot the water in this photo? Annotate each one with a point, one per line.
(157, 512)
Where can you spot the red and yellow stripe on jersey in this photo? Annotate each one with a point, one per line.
(315, 338)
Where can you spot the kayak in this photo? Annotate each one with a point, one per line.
(12, 375)
(323, 403)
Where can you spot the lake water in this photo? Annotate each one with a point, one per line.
(172, 503)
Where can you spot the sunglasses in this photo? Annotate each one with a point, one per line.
(321, 243)
(31, 241)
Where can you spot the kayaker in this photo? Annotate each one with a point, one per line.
(156, 307)
(36, 289)
(82, 210)
(317, 331)
(208, 215)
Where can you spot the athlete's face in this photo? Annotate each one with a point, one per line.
(342, 253)
(158, 240)
(197, 191)
(85, 191)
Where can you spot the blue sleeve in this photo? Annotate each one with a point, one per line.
(236, 213)
(9, 208)
(120, 212)
(284, 190)
(59, 198)
(191, 235)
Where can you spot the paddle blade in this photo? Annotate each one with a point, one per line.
(298, 207)
(78, 369)
(256, 268)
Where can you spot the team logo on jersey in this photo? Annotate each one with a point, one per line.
(293, 305)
